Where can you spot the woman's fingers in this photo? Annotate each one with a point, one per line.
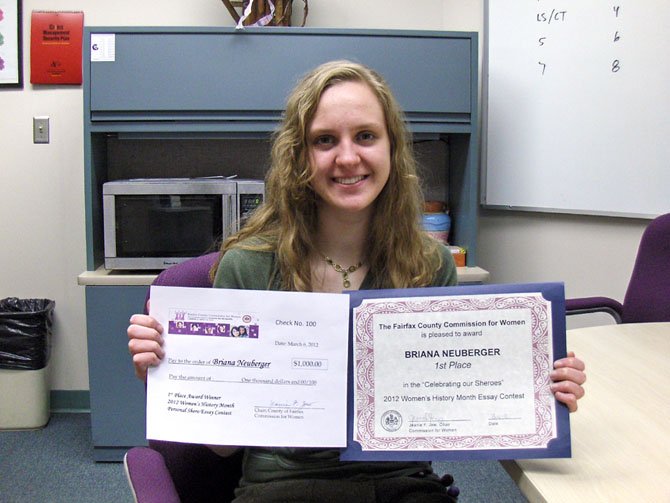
(570, 361)
(145, 343)
(143, 326)
(568, 376)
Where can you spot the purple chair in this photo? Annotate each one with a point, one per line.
(647, 298)
(170, 472)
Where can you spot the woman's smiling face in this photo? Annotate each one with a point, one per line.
(349, 148)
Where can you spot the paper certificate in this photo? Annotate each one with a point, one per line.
(457, 373)
(252, 368)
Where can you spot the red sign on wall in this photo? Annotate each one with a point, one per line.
(56, 47)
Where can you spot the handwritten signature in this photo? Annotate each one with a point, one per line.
(295, 404)
(426, 418)
(497, 417)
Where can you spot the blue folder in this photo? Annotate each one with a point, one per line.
(463, 448)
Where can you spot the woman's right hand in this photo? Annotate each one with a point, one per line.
(145, 344)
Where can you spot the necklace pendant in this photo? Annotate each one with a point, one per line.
(344, 272)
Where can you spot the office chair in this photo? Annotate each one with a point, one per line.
(647, 297)
(172, 472)
(190, 273)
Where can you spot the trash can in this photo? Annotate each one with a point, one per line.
(25, 346)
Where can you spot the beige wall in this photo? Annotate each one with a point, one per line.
(41, 186)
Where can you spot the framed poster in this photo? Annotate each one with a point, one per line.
(11, 60)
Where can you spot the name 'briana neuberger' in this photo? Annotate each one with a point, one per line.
(452, 353)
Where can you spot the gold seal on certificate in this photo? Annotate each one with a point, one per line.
(461, 372)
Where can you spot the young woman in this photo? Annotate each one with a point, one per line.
(342, 211)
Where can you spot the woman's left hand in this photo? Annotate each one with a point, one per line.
(568, 376)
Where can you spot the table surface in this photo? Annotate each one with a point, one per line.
(104, 277)
(621, 433)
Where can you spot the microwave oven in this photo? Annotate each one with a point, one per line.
(158, 222)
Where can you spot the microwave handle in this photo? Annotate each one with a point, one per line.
(229, 217)
(109, 225)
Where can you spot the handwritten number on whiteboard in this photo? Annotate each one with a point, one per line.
(544, 66)
(616, 64)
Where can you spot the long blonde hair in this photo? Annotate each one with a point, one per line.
(400, 255)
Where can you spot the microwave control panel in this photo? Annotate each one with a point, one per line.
(248, 203)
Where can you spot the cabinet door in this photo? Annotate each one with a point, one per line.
(117, 396)
(250, 73)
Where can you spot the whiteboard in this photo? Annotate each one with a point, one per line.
(576, 108)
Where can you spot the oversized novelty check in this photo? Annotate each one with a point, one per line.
(253, 368)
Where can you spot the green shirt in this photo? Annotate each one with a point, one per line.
(254, 270)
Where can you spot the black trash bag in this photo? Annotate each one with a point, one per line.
(25, 333)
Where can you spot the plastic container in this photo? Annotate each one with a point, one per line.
(24, 395)
(436, 222)
(25, 337)
(458, 253)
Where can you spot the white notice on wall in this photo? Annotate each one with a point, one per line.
(103, 47)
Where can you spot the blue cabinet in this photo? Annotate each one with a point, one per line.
(205, 85)
(204, 101)
(117, 396)
(247, 75)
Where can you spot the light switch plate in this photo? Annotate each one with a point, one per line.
(40, 129)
